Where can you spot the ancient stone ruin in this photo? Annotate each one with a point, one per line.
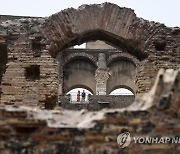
(39, 66)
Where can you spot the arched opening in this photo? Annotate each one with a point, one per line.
(94, 22)
(79, 95)
(123, 71)
(79, 71)
(122, 91)
(79, 57)
(72, 27)
(122, 95)
(105, 36)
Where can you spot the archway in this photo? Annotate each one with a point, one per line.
(122, 95)
(107, 22)
(123, 71)
(74, 92)
(122, 91)
(75, 26)
(79, 71)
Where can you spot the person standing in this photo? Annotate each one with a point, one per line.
(83, 96)
(78, 96)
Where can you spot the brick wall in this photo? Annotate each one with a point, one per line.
(26, 51)
(29, 130)
(34, 41)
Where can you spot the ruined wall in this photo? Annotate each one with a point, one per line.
(97, 103)
(25, 130)
(20, 134)
(154, 44)
(12, 17)
(163, 49)
(31, 74)
(32, 42)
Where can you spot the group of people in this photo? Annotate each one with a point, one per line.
(81, 96)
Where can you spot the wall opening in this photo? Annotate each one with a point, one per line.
(105, 36)
(79, 71)
(50, 102)
(160, 46)
(122, 91)
(123, 72)
(79, 95)
(81, 46)
(32, 72)
(3, 60)
(37, 46)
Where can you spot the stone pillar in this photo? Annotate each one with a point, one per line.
(101, 75)
(60, 68)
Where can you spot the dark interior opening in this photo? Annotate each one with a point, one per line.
(50, 102)
(160, 46)
(3, 60)
(36, 46)
(33, 72)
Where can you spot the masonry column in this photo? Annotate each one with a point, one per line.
(101, 75)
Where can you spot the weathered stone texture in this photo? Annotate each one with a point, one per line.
(30, 76)
(37, 41)
(25, 129)
(96, 102)
(112, 24)
(16, 88)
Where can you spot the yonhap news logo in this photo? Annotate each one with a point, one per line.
(124, 140)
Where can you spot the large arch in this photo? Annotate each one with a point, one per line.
(107, 22)
(123, 72)
(80, 71)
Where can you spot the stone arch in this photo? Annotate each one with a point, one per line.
(123, 56)
(76, 55)
(123, 71)
(79, 71)
(106, 22)
(122, 86)
(80, 86)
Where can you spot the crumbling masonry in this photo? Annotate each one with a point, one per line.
(29, 47)
(36, 63)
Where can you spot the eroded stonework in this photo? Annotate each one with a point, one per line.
(32, 45)
(36, 64)
(29, 130)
